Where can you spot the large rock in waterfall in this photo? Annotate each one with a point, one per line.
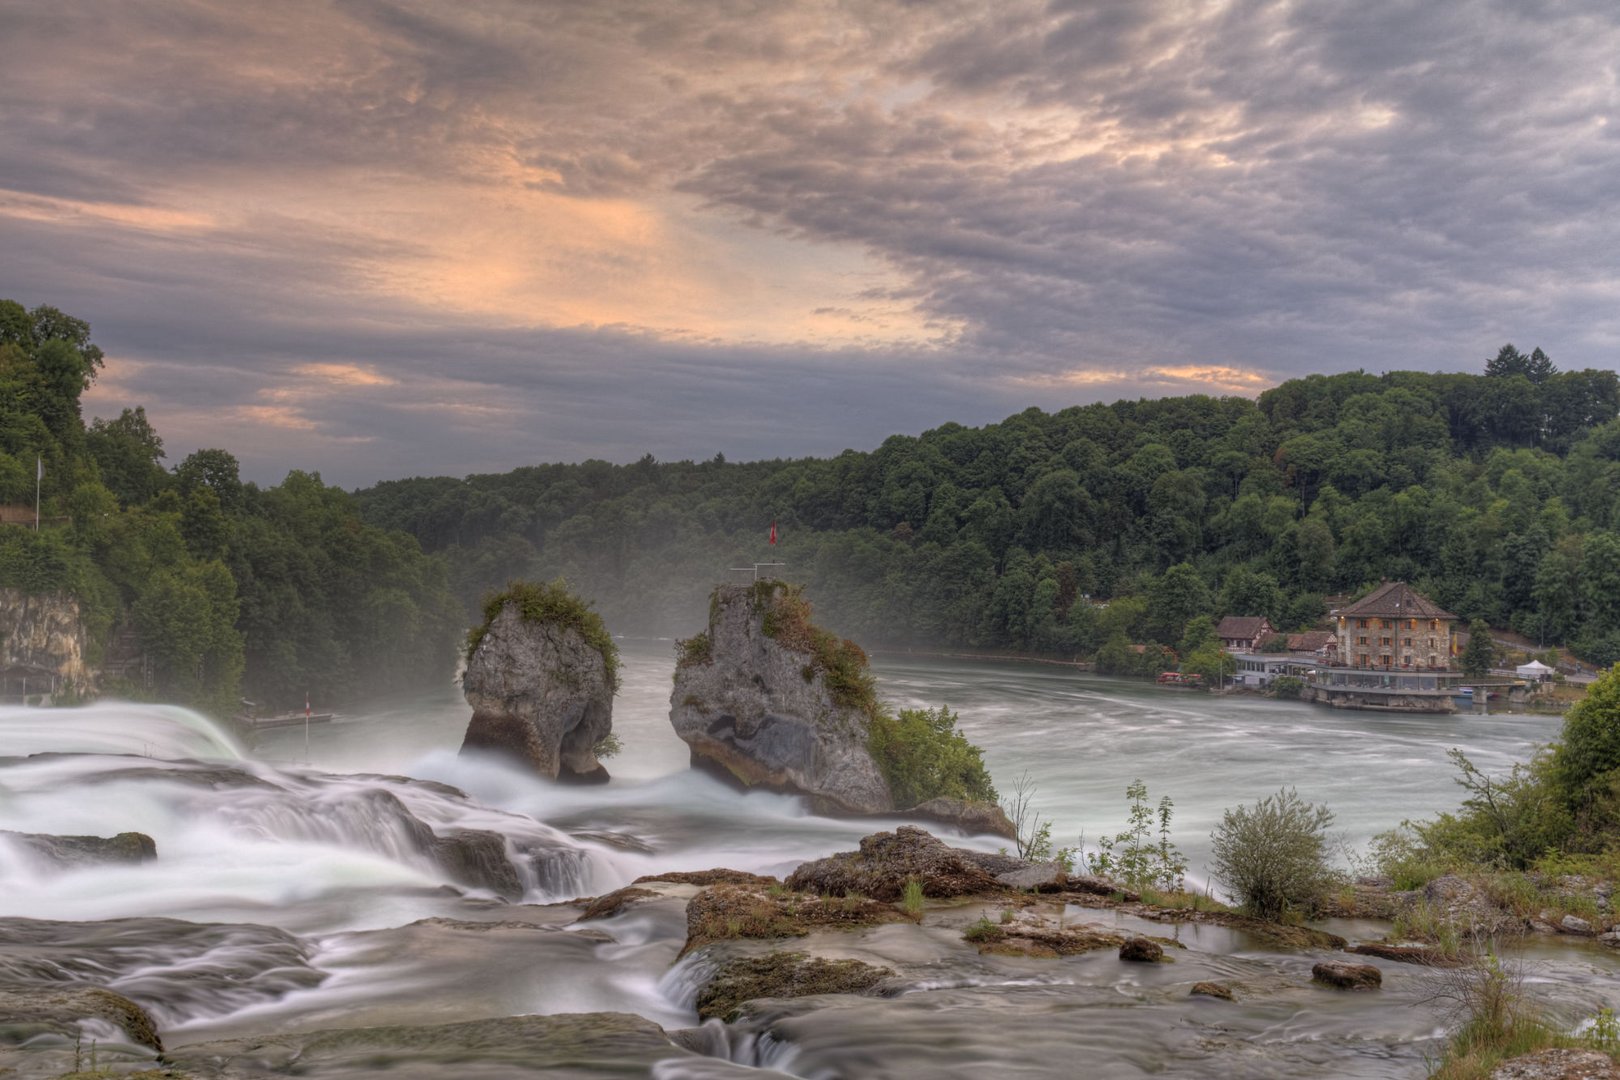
(765, 698)
(541, 675)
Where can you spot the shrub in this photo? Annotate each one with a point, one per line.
(911, 901)
(1133, 855)
(1291, 687)
(697, 649)
(923, 757)
(1273, 855)
(552, 603)
(842, 664)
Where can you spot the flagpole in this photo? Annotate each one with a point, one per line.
(39, 474)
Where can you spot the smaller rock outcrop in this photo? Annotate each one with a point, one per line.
(782, 975)
(1343, 976)
(541, 674)
(71, 851)
(886, 861)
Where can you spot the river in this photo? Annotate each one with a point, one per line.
(297, 851)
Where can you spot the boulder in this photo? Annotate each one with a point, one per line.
(756, 702)
(70, 851)
(886, 861)
(541, 692)
(1141, 951)
(1344, 976)
(1574, 924)
(1036, 876)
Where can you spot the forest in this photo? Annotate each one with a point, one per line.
(1067, 533)
(195, 586)
(1498, 494)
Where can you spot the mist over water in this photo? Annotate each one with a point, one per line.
(305, 853)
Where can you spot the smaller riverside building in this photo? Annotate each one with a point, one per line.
(1395, 650)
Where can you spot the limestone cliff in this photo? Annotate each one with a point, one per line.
(765, 698)
(42, 645)
(540, 679)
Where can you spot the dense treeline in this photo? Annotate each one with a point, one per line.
(208, 586)
(1498, 494)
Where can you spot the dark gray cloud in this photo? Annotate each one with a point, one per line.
(272, 215)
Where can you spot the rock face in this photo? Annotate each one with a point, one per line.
(541, 694)
(41, 646)
(755, 707)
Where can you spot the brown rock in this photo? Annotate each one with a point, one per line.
(1406, 954)
(610, 904)
(1141, 950)
(743, 911)
(1212, 989)
(719, 876)
(886, 861)
(1345, 976)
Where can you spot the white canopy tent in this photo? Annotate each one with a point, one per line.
(1535, 669)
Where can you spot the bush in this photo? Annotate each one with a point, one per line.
(1291, 687)
(1273, 855)
(923, 757)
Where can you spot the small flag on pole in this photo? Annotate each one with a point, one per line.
(773, 534)
(39, 467)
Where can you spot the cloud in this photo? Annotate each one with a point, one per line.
(438, 237)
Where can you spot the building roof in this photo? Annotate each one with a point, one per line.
(1396, 600)
(1242, 626)
(1310, 640)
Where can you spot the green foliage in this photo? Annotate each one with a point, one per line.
(1093, 527)
(1273, 855)
(697, 649)
(228, 588)
(1586, 761)
(551, 604)
(842, 664)
(911, 901)
(1480, 654)
(983, 931)
(1032, 832)
(1288, 687)
(608, 746)
(1211, 661)
(923, 756)
(1141, 855)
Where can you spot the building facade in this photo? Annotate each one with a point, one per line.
(1395, 628)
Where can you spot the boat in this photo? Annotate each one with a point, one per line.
(1190, 680)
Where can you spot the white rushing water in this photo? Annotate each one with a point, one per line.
(320, 854)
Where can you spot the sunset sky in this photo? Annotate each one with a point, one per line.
(380, 239)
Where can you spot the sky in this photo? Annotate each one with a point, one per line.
(385, 238)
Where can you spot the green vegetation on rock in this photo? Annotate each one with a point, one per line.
(551, 604)
(842, 664)
(923, 756)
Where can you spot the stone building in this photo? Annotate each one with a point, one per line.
(1395, 628)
